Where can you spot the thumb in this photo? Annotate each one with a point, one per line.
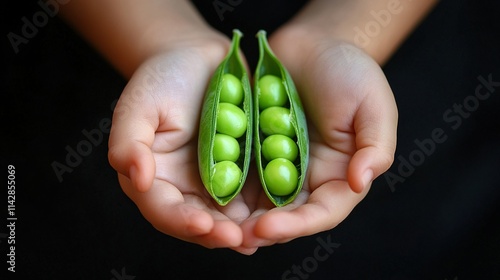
(130, 141)
(375, 126)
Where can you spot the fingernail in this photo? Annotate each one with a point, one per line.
(258, 242)
(246, 251)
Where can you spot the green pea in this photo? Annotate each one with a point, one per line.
(226, 178)
(271, 92)
(226, 128)
(225, 148)
(231, 90)
(231, 120)
(281, 138)
(281, 177)
(276, 120)
(279, 146)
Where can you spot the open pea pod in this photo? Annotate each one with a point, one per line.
(225, 132)
(281, 138)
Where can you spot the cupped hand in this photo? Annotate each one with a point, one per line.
(352, 120)
(153, 145)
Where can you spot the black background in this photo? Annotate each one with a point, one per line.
(442, 222)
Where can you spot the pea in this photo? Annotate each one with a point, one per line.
(231, 90)
(226, 128)
(276, 120)
(271, 92)
(231, 120)
(225, 148)
(226, 178)
(279, 146)
(281, 177)
(281, 137)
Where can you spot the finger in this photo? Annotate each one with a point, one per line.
(326, 207)
(237, 210)
(250, 240)
(260, 204)
(131, 138)
(251, 236)
(245, 251)
(183, 217)
(375, 126)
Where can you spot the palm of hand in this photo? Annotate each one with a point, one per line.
(177, 202)
(163, 121)
(343, 91)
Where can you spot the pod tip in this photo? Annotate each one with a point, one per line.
(261, 33)
(236, 31)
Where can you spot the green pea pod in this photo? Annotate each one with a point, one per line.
(215, 175)
(269, 64)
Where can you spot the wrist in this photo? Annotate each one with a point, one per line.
(296, 45)
(377, 27)
(128, 32)
(160, 37)
(208, 43)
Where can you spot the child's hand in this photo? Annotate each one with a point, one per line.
(352, 119)
(153, 142)
(153, 145)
